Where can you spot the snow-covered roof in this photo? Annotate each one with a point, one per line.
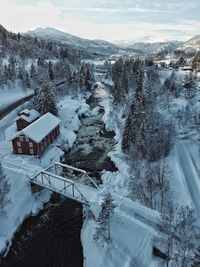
(40, 128)
(28, 115)
(25, 111)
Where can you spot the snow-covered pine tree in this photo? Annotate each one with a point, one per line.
(33, 72)
(138, 118)
(50, 71)
(127, 137)
(103, 221)
(4, 190)
(190, 85)
(45, 99)
(197, 258)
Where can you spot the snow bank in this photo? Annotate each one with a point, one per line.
(23, 204)
(69, 112)
(11, 95)
(131, 238)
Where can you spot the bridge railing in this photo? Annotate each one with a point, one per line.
(60, 185)
(72, 173)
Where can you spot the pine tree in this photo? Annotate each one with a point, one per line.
(134, 131)
(27, 80)
(197, 257)
(33, 72)
(45, 99)
(4, 190)
(127, 137)
(103, 221)
(190, 85)
(51, 72)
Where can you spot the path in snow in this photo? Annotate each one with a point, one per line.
(190, 173)
(13, 105)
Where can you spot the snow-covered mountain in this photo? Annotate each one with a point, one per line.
(95, 46)
(129, 42)
(148, 45)
(191, 46)
(154, 48)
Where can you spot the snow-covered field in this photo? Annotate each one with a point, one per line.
(131, 237)
(9, 96)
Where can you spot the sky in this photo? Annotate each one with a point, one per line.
(106, 19)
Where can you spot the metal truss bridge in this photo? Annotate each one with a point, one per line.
(68, 181)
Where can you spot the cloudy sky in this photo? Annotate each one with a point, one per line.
(106, 19)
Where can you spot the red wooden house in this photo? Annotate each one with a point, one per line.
(26, 117)
(35, 138)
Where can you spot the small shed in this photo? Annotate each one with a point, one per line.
(26, 117)
(36, 137)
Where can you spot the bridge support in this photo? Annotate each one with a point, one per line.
(36, 188)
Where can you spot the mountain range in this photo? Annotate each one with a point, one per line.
(145, 45)
(93, 46)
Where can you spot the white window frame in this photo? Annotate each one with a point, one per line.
(30, 144)
(19, 144)
(26, 139)
(21, 138)
(31, 151)
(19, 150)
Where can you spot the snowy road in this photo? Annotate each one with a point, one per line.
(7, 109)
(188, 163)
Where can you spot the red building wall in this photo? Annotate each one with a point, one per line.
(21, 124)
(25, 146)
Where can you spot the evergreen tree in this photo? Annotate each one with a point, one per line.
(127, 137)
(4, 190)
(197, 257)
(103, 221)
(33, 72)
(45, 99)
(190, 85)
(51, 72)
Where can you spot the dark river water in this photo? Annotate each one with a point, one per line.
(49, 239)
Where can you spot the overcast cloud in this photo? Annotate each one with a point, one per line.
(105, 19)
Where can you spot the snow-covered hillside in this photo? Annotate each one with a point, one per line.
(192, 45)
(98, 46)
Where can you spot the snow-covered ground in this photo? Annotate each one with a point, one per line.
(131, 238)
(9, 96)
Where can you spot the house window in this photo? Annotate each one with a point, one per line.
(19, 150)
(26, 139)
(19, 144)
(21, 138)
(31, 151)
(30, 144)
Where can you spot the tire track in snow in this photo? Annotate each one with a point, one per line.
(191, 175)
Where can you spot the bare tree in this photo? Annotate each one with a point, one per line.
(187, 235)
(150, 184)
(166, 229)
(180, 234)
